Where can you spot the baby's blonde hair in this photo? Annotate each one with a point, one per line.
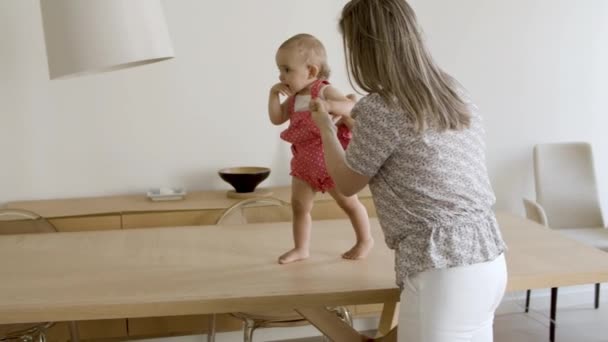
(312, 50)
(385, 54)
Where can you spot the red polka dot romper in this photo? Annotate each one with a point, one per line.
(308, 163)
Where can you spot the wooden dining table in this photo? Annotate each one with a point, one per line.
(75, 276)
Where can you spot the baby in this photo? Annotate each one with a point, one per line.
(302, 63)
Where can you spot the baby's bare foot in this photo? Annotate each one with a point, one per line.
(293, 255)
(360, 250)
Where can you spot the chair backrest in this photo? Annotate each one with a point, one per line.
(566, 186)
(19, 221)
(256, 210)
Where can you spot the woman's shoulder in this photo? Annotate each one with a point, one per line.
(370, 104)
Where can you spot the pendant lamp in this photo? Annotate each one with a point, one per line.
(92, 36)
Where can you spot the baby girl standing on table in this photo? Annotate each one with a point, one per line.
(304, 73)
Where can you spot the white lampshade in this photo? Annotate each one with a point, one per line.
(90, 36)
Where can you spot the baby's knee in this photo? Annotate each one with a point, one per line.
(300, 207)
(351, 205)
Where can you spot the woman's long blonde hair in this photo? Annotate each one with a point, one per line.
(385, 54)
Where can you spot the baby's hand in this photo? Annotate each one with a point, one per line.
(280, 88)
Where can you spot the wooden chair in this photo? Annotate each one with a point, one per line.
(19, 221)
(259, 210)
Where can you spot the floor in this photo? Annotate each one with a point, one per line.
(577, 321)
(575, 324)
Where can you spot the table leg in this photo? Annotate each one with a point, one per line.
(330, 325)
(388, 319)
(337, 330)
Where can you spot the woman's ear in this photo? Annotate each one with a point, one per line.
(313, 71)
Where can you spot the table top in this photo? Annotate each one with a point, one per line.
(540, 257)
(185, 270)
(596, 237)
(196, 270)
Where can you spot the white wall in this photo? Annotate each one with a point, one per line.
(536, 68)
(172, 123)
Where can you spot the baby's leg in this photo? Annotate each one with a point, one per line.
(358, 217)
(302, 196)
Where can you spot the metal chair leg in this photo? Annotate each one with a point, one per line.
(249, 327)
(528, 300)
(35, 333)
(346, 315)
(74, 333)
(211, 328)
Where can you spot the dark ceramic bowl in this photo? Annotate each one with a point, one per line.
(244, 179)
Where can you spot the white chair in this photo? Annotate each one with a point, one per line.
(566, 196)
(19, 221)
(259, 210)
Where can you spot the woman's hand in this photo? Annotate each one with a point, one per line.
(320, 114)
(348, 120)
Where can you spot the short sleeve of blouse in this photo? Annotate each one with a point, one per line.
(376, 135)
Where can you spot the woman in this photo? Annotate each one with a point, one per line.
(418, 142)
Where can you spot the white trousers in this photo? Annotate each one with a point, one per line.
(452, 305)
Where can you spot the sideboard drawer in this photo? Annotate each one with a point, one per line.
(171, 218)
(86, 223)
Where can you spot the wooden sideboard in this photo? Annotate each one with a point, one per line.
(138, 212)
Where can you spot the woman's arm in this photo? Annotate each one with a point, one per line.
(348, 120)
(337, 103)
(347, 181)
